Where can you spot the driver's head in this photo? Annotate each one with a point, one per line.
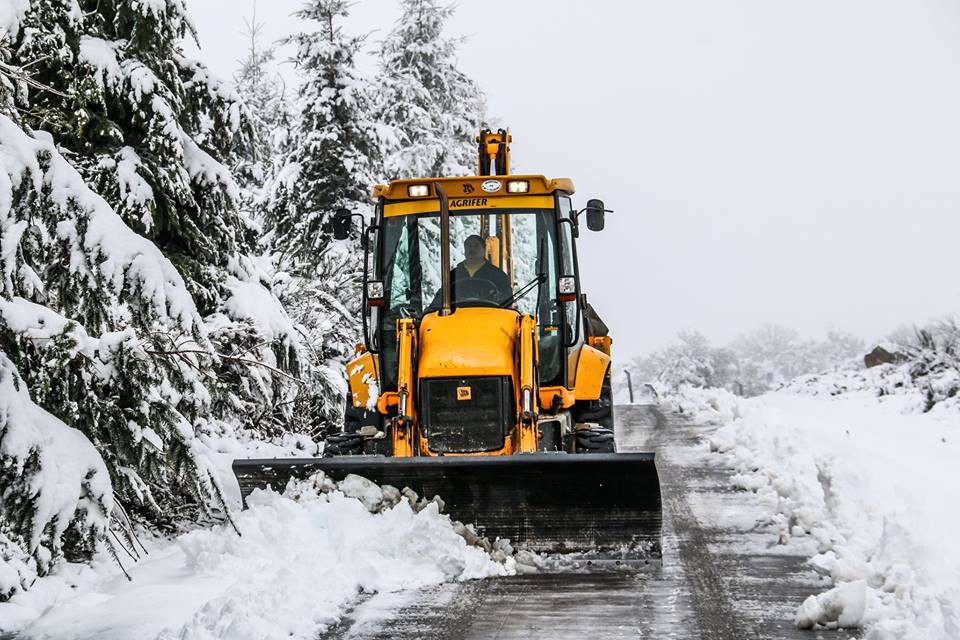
(473, 249)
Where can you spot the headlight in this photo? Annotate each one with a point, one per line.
(375, 293)
(518, 186)
(567, 289)
(418, 190)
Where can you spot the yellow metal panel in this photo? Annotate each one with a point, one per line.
(468, 342)
(591, 370)
(471, 185)
(472, 203)
(601, 342)
(547, 394)
(561, 184)
(362, 372)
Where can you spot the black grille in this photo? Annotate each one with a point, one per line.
(461, 415)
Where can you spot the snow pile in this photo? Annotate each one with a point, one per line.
(704, 405)
(923, 389)
(874, 483)
(304, 558)
(53, 480)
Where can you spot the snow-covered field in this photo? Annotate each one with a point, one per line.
(302, 560)
(872, 479)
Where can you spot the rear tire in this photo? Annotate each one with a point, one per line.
(594, 440)
(598, 411)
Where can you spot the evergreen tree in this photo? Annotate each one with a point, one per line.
(330, 165)
(159, 337)
(432, 109)
(264, 93)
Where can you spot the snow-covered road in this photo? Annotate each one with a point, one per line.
(723, 574)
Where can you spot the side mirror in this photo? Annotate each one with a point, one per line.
(595, 213)
(341, 224)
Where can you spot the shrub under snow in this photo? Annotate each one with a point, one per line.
(54, 483)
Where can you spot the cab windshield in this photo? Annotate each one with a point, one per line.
(503, 259)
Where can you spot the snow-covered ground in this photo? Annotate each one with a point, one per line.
(302, 560)
(872, 479)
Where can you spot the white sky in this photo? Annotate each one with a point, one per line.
(789, 162)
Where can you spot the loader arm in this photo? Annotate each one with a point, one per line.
(404, 424)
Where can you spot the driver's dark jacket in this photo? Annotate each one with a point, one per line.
(486, 272)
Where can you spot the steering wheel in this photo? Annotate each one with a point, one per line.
(481, 291)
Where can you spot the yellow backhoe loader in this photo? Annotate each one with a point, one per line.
(484, 376)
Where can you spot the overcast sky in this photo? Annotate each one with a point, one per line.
(789, 162)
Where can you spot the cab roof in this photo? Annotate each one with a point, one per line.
(472, 185)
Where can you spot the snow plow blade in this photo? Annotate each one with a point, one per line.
(549, 502)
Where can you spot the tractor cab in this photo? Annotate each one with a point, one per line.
(525, 227)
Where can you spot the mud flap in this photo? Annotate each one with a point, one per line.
(550, 502)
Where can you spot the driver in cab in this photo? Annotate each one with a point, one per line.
(475, 277)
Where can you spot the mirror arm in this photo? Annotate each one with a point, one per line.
(577, 213)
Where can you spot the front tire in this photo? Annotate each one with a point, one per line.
(349, 442)
(343, 444)
(594, 440)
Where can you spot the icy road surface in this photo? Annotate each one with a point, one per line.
(723, 575)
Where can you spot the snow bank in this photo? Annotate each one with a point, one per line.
(874, 483)
(303, 559)
(704, 406)
(52, 478)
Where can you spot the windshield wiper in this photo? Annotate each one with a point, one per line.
(522, 291)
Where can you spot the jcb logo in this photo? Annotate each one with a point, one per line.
(463, 393)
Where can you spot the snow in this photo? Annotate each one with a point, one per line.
(204, 170)
(42, 324)
(252, 301)
(102, 56)
(303, 560)
(873, 481)
(135, 191)
(11, 16)
(124, 257)
(61, 472)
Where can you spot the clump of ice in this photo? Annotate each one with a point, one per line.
(842, 606)
(304, 558)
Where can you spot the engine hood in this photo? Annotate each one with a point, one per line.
(472, 341)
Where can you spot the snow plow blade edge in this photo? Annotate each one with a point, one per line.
(552, 503)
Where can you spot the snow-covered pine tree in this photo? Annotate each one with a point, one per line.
(264, 92)
(431, 108)
(140, 348)
(330, 166)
